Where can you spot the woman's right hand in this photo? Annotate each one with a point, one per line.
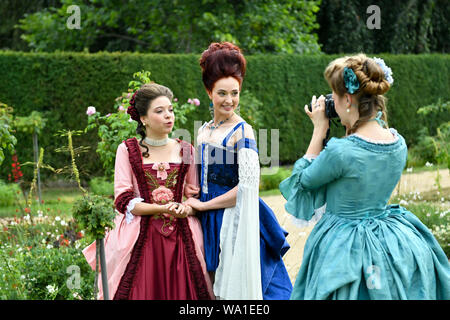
(317, 115)
(195, 204)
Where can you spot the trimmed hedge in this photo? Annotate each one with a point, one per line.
(65, 84)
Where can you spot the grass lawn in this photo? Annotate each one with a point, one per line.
(56, 202)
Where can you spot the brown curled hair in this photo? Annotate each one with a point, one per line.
(222, 60)
(372, 85)
(143, 98)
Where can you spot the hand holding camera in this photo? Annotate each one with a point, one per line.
(316, 111)
(330, 111)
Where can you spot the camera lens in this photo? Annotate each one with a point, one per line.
(330, 110)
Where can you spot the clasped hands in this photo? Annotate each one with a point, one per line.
(185, 209)
(178, 210)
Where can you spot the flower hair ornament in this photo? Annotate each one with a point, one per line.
(132, 111)
(350, 80)
(387, 71)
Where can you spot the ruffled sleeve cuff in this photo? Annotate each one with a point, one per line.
(301, 203)
(128, 215)
(301, 223)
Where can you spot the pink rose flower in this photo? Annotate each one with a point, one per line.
(121, 108)
(190, 101)
(196, 102)
(161, 168)
(90, 111)
(162, 195)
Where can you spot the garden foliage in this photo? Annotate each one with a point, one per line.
(63, 85)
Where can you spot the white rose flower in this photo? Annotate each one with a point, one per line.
(90, 110)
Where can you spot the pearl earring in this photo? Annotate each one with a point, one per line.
(348, 109)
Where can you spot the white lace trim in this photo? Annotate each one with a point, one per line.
(205, 168)
(392, 130)
(249, 169)
(228, 148)
(318, 213)
(218, 141)
(129, 216)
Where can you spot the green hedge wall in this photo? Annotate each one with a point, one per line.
(65, 84)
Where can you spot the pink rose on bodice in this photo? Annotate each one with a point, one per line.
(161, 168)
(162, 195)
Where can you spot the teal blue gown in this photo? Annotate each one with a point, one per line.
(361, 247)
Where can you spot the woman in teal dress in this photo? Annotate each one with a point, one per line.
(360, 247)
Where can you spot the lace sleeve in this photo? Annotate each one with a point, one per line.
(238, 275)
(249, 170)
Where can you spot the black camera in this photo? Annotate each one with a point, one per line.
(330, 111)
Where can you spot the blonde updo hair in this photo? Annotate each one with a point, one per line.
(372, 85)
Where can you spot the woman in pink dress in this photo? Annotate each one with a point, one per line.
(156, 251)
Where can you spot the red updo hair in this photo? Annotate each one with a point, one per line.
(222, 60)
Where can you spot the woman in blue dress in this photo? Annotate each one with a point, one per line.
(244, 243)
(360, 247)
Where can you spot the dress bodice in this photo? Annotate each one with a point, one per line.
(354, 176)
(370, 173)
(162, 180)
(215, 171)
(219, 167)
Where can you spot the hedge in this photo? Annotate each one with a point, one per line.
(65, 84)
